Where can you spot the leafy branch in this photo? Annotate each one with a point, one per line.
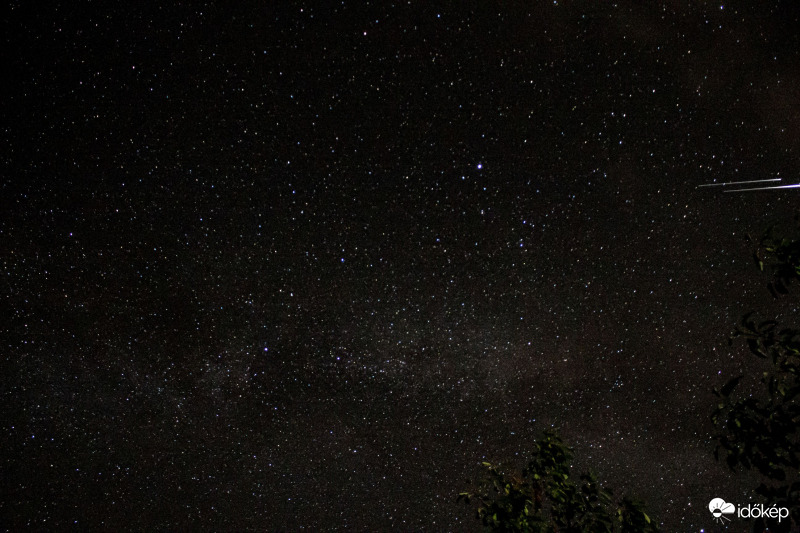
(761, 429)
(545, 499)
(781, 256)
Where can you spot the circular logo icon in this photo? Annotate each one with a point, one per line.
(719, 508)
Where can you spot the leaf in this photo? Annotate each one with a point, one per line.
(754, 347)
(767, 325)
(758, 261)
(730, 385)
(732, 461)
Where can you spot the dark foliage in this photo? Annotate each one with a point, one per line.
(545, 499)
(761, 429)
(780, 255)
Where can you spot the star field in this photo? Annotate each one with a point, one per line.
(292, 267)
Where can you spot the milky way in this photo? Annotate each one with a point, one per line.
(290, 266)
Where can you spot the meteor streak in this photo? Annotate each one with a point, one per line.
(736, 182)
(795, 186)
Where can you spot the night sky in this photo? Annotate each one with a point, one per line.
(292, 266)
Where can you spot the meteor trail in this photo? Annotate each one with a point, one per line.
(737, 182)
(795, 186)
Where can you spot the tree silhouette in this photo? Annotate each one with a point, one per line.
(780, 254)
(545, 499)
(760, 428)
